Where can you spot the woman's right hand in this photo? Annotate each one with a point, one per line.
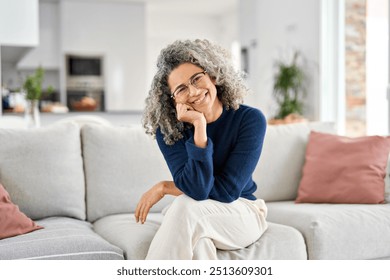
(185, 113)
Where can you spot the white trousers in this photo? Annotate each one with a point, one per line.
(196, 229)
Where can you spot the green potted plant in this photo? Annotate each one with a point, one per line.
(33, 88)
(289, 90)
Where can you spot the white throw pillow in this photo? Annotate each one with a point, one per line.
(42, 170)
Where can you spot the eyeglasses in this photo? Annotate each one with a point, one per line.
(197, 81)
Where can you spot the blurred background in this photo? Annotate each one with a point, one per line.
(99, 55)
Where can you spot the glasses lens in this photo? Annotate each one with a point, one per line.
(197, 81)
(180, 92)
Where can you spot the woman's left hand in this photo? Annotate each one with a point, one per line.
(148, 199)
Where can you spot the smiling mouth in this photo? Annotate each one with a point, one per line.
(200, 100)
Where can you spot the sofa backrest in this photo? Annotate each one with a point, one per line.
(121, 163)
(278, 172)
(42, 170)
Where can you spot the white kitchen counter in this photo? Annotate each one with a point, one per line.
(115, 118)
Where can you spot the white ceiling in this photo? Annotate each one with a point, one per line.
(201, 7)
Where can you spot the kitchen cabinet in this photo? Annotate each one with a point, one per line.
(19, 22)
(18, 28)
(47, 53)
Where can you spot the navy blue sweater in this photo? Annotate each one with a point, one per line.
(223, 170)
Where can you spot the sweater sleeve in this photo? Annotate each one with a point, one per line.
(192, 167)
(242, 159)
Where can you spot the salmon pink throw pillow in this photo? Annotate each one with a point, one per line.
(12, 221)
(340, 169)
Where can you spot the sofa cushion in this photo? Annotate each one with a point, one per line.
(121, 163)
(278, 241)
(341, 169)
(42, 170)
(12, 221)
(278, 172)
(62, 239)
(337, 231)
(133, 238)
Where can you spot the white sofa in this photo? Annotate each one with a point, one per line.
(82, 185)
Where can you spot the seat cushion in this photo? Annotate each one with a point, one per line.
(133, 238)
(337, 231)
(62, 239)
(278, 242)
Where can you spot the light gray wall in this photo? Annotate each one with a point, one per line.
(272, 30)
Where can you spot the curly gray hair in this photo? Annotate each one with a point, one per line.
(160, 111)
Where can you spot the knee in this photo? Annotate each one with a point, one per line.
(182, 205)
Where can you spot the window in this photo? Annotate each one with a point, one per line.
(377, 66)
(366, 67)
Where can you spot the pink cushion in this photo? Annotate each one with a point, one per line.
(12, 221)
(340, 169)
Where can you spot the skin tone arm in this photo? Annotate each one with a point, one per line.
(152, 196)
(185, 113)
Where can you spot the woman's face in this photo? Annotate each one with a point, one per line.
(189, 84)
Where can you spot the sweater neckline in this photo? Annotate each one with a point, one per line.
(220, 118)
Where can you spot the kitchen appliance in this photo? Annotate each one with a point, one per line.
(84, 82)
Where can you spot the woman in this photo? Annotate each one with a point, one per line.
(211, 144)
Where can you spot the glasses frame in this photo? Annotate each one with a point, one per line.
(189, 83)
